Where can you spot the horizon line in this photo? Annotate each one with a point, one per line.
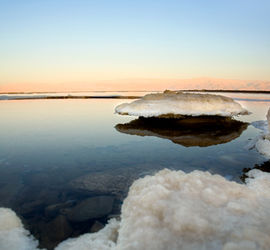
(100, 91)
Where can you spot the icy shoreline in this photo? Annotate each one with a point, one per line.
(263, 143)
(176, 210)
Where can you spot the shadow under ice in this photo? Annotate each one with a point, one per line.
(200, 131)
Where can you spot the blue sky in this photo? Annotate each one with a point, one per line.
(54, 41)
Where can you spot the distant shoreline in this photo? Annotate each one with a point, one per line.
(232, 91)
(69, 97)
(72, 95)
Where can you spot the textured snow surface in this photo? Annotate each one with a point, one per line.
(12, 234)
(263, 146)
(174, 104)
(263, 143)
(174, 210)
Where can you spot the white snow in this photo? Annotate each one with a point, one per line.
(263, 143)
(263, 146)
(12, 234)
(268, 119)
(175, 210)
(173, 104)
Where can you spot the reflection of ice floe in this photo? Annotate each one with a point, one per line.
(263, 143)
(177, 104)
(175, 210)
(192, 131)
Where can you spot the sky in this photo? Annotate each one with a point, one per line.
(144, 44)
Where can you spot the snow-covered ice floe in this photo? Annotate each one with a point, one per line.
(174, 210)
(176, 104)
(263, 143)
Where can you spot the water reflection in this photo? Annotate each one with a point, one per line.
(201, 131)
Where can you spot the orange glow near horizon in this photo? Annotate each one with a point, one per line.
(137, 84)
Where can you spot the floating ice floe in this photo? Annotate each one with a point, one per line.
(175, 210)
(263, 143)
(191, 131)
(176, 104)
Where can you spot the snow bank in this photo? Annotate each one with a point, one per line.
(177, 104)
(268, 119)
(12, 234)
(263, 146)
(174, 210)
(263, 143)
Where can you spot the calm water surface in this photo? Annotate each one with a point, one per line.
(57, 155)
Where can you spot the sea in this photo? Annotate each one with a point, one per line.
(66, 164)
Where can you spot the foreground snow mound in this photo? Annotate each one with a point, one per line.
(176, 104)
(263, 143)
(174, 210)
(12, 234)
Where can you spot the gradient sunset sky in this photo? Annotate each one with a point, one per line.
(62, 45)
